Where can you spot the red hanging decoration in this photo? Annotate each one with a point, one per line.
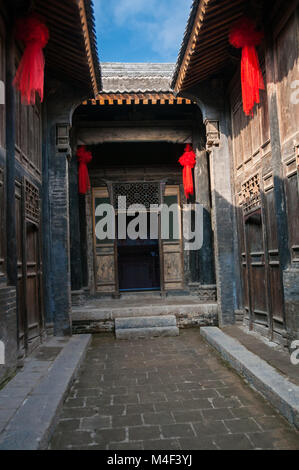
(29, 77)
(84, 157)
(244, 35)
(188, 161)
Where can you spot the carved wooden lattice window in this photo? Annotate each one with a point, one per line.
(32, 202)
(137, 193)
(251, 194)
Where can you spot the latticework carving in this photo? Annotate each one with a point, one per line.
(251, 194)
(137, 193)
(32, 202)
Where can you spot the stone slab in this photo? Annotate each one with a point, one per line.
(145, 322)
(280, 392)
(31, 427)
(97, 314)
(138, 333)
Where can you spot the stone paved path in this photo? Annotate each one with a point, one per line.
(165, 394)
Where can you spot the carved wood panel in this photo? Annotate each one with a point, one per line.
(292, 198)
(105, 258)
(172, 254)
(29, 137)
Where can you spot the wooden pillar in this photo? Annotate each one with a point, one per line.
(206, 271)
(60, 106)
(83, 240)
(10, 161)
(209, 96)
(75, 232)
(60, 240)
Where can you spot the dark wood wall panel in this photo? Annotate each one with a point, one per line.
(28, 137)
(2, 225)
(254, 194)
(2, 79)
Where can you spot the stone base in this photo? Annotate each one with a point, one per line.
(146, 327)
(207, 293)
(280, 338)
(8, 331)
(99, 316)
(146, 333)
(78, 297)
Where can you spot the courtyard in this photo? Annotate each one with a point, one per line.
(165, 394)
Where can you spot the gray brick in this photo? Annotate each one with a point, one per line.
(177, 430)
(220, 414)
(243, 425)
(144, 433)
(158, 418)
(127, 420)
(233, 442)
(187, 416)
(106, 436)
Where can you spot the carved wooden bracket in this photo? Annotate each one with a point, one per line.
(213, 133)
(63, 139)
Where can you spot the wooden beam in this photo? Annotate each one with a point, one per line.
(95, 136)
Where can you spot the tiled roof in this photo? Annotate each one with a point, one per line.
(136, 77)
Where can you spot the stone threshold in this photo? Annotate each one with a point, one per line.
(276, 388)
(30, 403)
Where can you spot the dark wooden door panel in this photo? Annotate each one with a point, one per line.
(32, 282)
(257, 269)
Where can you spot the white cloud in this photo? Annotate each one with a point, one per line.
(160, 22)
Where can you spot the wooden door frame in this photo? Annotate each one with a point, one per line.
(246, 218)
(177, 187)
(107, 188)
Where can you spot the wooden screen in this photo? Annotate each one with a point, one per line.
(261, 275)
(286, 63)
(172, 255)
(104, 250)
(29, 135)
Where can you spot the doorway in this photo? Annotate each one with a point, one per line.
(139, 262)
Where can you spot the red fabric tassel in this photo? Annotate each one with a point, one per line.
(244, 35)
(84, 157)
(29, 77)
(188, 161)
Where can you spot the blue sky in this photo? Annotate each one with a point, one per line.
(140, 30)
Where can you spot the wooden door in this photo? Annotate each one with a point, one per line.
(21, 288)
(256, 265)
(105, 258)
(33, 282)
(171, 248)
(29, 265)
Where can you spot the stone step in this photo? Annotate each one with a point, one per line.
(145, 322)
(111, 312)
(146, 333)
